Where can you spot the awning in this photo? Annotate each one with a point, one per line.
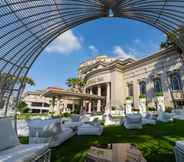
(61, 93)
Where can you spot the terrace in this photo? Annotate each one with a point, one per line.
(27, 28)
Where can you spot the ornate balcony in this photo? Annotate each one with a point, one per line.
(178, 95)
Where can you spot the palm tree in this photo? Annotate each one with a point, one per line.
(27, 80)
(72, 82)
(75, 83)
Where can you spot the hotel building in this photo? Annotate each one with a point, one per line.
(119, 79)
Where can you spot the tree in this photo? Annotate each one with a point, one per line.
(72, 82)
(76, 83)
(172, 40)
(26, 81)
(22, 107)
(167, 43)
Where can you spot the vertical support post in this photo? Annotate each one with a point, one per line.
(108, 104)
(99, 101)
(90, 103)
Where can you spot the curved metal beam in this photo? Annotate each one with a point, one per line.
(27, 27)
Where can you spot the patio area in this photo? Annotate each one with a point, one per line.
(156, 142)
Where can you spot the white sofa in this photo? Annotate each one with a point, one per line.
(133, 121)
(76, 121)
(165, 117)
(49, 131)
(90, 128)
(22, 128)
(179, 151)
(148, 119)
(12, 151)
(178, 114)
(107, 117)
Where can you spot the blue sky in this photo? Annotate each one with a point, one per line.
(113, 37)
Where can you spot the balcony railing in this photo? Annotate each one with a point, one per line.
(178, 95)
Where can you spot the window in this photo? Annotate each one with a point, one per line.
(36, 104)
(175, 81)
(142, 86)
(157, 85)
(130, 89)
(46, 105)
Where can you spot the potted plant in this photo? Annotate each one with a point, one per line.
(129, 99)
(142, 103)
(142, 98)
(129, 102)
(159, 97)
(151, 109)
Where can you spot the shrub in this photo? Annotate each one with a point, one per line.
(113, 108)
(22, 107)
(66, 114)
(129, 98)
(135, 110)
(142, 96)
(159, 94)
(168, 109)
(151, 109)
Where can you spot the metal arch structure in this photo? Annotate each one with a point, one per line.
(28, 26)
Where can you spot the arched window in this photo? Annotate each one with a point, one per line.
(142, 86)
(130, 90)
(176, 81)
(157, 85)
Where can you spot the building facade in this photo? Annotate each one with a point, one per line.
(38, 103)
(119, 79)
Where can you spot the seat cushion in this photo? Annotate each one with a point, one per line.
(23, 153)
(8, 137)
(180, 144)
(44, 128)
(89, 129)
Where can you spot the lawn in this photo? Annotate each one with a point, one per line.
(156, 142)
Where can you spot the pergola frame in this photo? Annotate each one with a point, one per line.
(28, 26)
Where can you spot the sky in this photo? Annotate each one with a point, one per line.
(114, 37)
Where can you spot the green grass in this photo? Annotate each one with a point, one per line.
(155, 142)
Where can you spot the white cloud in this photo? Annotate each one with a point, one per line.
(93, 49)
(120, 53)
(66, 43)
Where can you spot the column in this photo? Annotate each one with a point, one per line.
(90, 104)
(99, 101)
(53, 104)
(73, 107)
(108, 104)
(41, 110)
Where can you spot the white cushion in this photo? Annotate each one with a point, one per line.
(89, 129)
(8, 137)
(22, 128)
(165, 117)
(180, 144)
(133, 121)
(23, 153)
(44, 128)
(72, 124)
(54, 140)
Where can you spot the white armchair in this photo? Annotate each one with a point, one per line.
(165, 117)
(49, 131)
(90, 129)
(22, 128)
(179, 151)
(12, 151)
(178, 114)
(148, 119)
(133, 121)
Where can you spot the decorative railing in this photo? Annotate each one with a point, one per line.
(178, 95)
